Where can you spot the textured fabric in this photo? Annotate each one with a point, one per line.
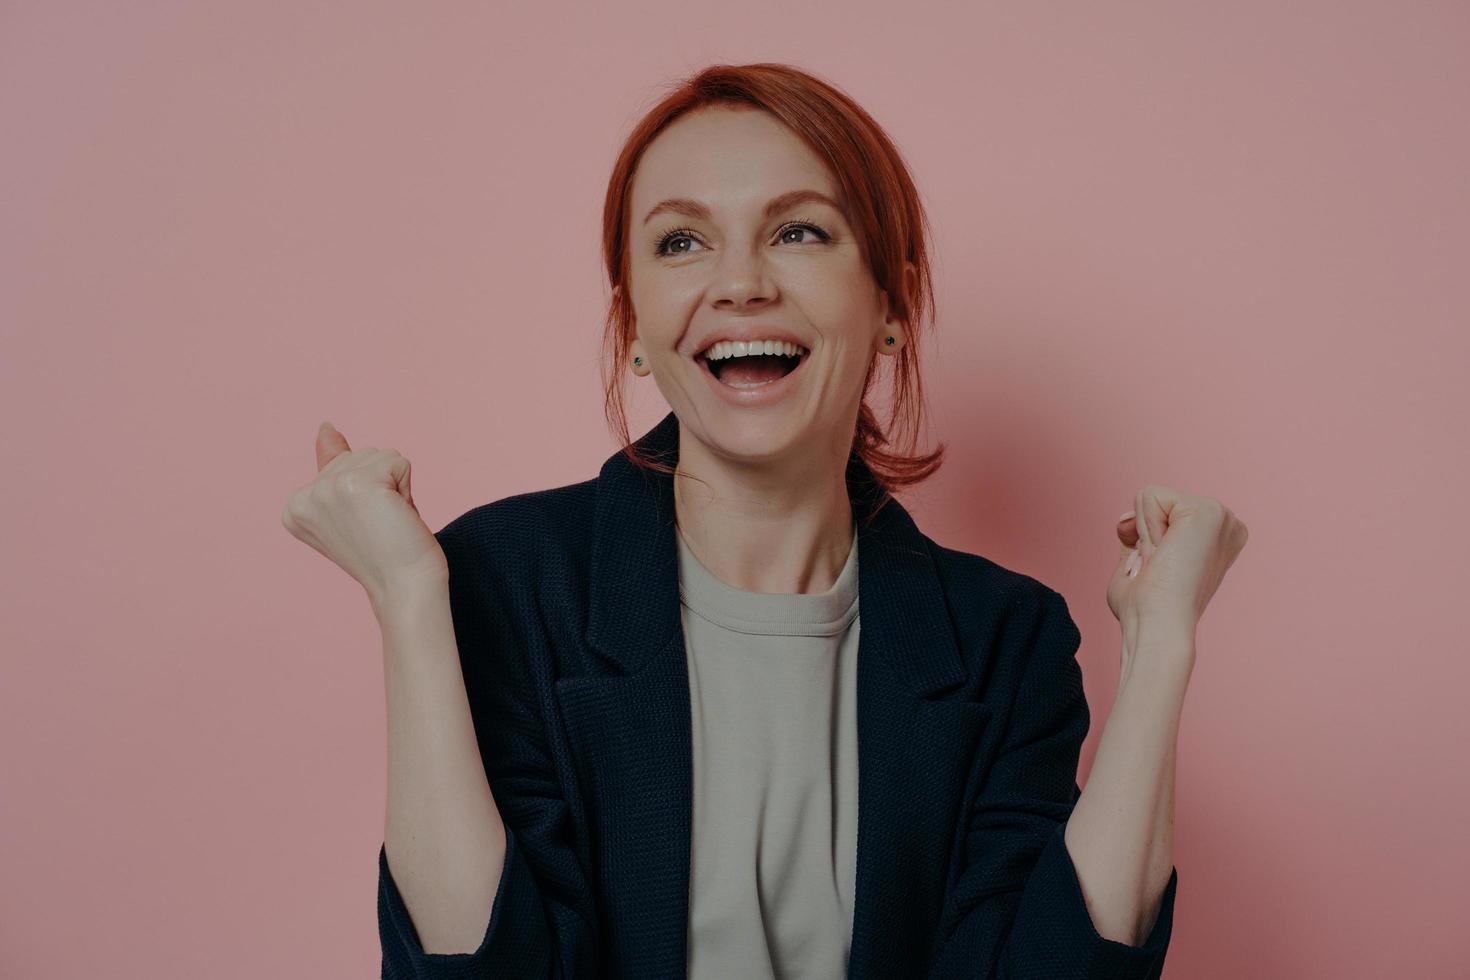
(970, 717)
(773, 704)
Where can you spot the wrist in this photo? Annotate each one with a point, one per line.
(1158, 637)
(407, 596)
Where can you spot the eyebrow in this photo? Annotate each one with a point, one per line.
(694, 209)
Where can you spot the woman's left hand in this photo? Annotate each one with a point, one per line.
(1172, 561)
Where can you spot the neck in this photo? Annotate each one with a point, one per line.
(781, 527)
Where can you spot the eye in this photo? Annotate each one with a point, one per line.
(667, 244)
(803, 226)
(664, 244)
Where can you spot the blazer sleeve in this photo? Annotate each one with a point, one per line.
(1018, 910)
(540, 923)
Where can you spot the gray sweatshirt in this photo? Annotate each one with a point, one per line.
(773, 692)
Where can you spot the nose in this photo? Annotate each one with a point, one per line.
(742, 279)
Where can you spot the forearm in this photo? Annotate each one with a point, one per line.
(443, 835)
(1121, 832)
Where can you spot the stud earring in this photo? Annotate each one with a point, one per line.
(639, 360)
(890, 341)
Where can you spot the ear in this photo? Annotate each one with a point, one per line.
(910, 281)
(910, 276)
(911, 285)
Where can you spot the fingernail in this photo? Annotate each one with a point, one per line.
(1133, 562)
(1125, 517)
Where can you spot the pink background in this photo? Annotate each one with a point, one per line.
(1222, 247)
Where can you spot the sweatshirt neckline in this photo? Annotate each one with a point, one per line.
(769, 613)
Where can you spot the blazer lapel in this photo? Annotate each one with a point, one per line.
(629, 724)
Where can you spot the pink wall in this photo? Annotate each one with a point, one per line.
(1222, 248)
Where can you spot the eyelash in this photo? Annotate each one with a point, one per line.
(662, 248)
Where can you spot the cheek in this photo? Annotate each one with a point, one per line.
(840, 298)
(852, 324)
(664, 298)
(657, 318)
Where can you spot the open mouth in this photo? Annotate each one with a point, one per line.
(752, 370)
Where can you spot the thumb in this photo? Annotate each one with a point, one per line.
(1128, 554)
(402, 471)
(1128, 532)
(329, 445)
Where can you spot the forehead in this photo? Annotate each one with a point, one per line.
(728, 158)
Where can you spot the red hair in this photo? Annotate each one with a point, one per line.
(882, 204)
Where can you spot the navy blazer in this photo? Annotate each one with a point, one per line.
(971, 717)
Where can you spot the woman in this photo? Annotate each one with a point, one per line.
(637, 726)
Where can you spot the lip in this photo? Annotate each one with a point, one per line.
(753, 397)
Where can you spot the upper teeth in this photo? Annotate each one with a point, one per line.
(740, 348)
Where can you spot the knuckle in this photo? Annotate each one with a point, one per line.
(353, 482)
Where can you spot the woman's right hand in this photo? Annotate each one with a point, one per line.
(359, 512)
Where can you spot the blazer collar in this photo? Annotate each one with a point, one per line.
(634, 573)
